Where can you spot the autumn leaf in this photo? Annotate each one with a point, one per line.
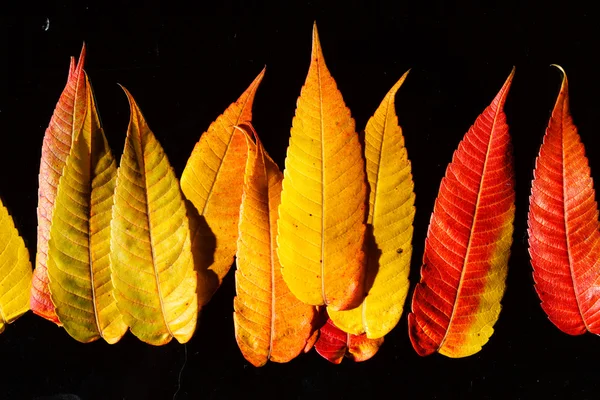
(323, 202)
(270, 322)
(564, 241)
(151, 256)
(15, 271)
(65, 123)
(333, 344)
(213, 181)
(457, 302)
(79, 246)
(389, 226)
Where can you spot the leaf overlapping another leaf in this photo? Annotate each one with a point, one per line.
(322, 213)
(151, 256)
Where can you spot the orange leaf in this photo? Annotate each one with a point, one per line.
(270, 323)
(65, 123)
(213, 181)
(333, 344)
(564, 241)
(322, 214)
(457, 302)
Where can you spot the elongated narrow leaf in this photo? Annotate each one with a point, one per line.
(79, 246)
(323, 203)
(270, 322)
(15, 271)
(457, 302)
(564, 240)
(213, 181)
(151, 256)
(389, 226)
(333, 344)
(66, 121)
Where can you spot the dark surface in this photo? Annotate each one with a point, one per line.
(184, 71)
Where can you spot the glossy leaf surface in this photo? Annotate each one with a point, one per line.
(564, 241)
(323, 203)
(389, 226)
(457, 301)
(333, 344)
(270, 322)
(213, 181)
(15, 271)
(79, 247)
(151, 256)
(65, 123)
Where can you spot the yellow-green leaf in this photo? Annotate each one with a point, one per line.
(154, 277)
(322, 214)
(389, 226)
(79, 246)
(15, 271)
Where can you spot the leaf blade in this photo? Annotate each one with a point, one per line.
(154, 277)
(389, 226)
(212, 180)
(66, 120)
(260, 288)
(15, 271)
(322, 213)
(334, 344)
(563, 226)
(457, 302)
(78, 251)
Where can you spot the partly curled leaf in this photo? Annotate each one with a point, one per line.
(457, 302)
(270, 322)
(65, 123)
(15, 271)
(79, 246)
(564, 236)
(322, 214)
(333, 344)
(389, 226)
(151, 256)
(212, 180)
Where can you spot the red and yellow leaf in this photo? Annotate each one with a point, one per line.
(457, 302)
(78, 251)
(65, 123)
(389, 226)
(15, 271)
(213, 181)
(564, 240)
(333, 344)
(151, 255)
(322, 214)
(270, 322)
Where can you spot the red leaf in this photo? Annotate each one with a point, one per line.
(333, 344)
(564, 241)
(457, 302)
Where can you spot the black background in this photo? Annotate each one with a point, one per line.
(184, 71)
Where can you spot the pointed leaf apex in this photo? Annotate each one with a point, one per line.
(317, 52)
(81, 60)
(501, 96)
(397, 85)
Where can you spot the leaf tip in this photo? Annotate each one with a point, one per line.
(317, 53)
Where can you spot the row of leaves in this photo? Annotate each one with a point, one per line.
(322, 250)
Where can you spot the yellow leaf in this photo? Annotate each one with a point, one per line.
(213, 181)
(15, 271)
(270, 322)
(154, 277)
(389, 226)
(79, 246)
(323, 203)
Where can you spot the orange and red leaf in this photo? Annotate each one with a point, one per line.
(457, 301)
(333, 344)
(66, 122)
